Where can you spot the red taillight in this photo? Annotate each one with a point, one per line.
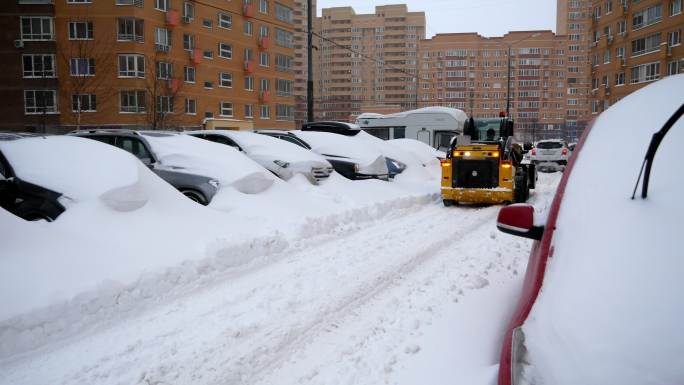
(534, 151)
(565, 151)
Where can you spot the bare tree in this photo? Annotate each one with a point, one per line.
(162, 85)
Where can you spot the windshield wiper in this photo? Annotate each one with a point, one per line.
(652, 149)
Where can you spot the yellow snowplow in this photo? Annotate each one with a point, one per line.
(485, 166)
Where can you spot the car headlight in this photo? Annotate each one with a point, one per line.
(281, 163)
(520, 365)
(214, 183)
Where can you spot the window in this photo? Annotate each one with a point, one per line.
(208, 85)
(208, 54)
(674, 38)
(38, 66)
(37, 28)
(673, 68)
(162, 5)
(225, 51)
(137, 3)
(226, 109)
(189, 74)
(132, 101)
(163, 37)
(622, 27)
(130, 29)
(284, 38)
(265, 112)
(131, 66)
(247, 27)
(249, 111)
(675, 7)
(283, 13)
(263, 31)
(620, 52)
(188, 42)
(284, 87)
(40, 102)
(190, 106)
(208, 114)
(248, 54)
(263, 6)
(606, 57)
(648, 16)
(164, 104)
(225, 21)
(263, 59)
(77, 1)
(249, 83)
(620, 79)
(164, 70)
(283, 63)
(646, 44)
(225, 79)
(80, 30)
(84, 103)
(264, 85)
(207, 23)
(284, 112)
(609, 6)
(188, 12)
(645, 72)
(82, 67)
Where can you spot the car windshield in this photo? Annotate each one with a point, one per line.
(549, 145)
(488, 129)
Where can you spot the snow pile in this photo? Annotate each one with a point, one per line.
(611, 309)
(202, 157)
(325, 143)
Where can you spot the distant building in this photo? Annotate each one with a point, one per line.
(300, 59)
(469, 72)
(633, 44)
(147, 64)
(366, 59)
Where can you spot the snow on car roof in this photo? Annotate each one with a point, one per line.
(610, 309)
(453, 112)
(326, 143)
(94, 167)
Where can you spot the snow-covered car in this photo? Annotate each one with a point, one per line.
(196, 167)
(550, 151)
(279, 157)
(349, 157)
(601, 301)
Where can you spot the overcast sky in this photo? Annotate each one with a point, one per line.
(487, 17)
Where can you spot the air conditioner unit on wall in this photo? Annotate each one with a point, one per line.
(19, 43)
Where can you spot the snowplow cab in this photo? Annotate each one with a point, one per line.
(485, 165)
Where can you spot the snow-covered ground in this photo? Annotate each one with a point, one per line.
(393, 291)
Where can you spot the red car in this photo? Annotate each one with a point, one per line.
(602, 298)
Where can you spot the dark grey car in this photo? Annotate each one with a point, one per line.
(199, 188)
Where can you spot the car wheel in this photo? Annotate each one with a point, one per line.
(195, 196)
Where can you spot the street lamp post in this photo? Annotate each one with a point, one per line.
(508, 75)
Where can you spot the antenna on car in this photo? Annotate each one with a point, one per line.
(652, 149)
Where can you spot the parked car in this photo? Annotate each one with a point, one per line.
(550, 153)
(198, 188)
(601, 301)
(24, 199)
(350, 158)
(281, 158)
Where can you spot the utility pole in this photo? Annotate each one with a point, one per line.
(508, 90)
(309, 63)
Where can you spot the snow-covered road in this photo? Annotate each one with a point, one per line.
(377, 302)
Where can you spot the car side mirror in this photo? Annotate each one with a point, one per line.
(518, 219)
(147, 162)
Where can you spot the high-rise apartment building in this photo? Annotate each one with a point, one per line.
(469, 72)
(367, 59)
(633, 43)
(148, 63)
(300, 58)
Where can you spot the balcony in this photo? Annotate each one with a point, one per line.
(249, 66)
(196, 56)
(264, 42)
(264, 96)
(248, 10)
(173, 85)
(172, 18)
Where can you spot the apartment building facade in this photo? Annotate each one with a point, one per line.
(366, 59)
(633, 43)
(469, 72)
(301, 71)
(154, 64)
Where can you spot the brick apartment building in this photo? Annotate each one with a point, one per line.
(381, 67)
(633, 43)
(147, 63)
(300, 59)
(468, 72)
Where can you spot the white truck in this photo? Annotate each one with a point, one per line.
(435, 126)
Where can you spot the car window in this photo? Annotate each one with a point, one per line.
(3, 169)
(223, 140)
(135, 147)
(103, 139)
(549, 145)
(293, 140)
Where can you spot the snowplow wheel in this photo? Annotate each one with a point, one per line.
(448, 202)
(521, 190)
(532, 177)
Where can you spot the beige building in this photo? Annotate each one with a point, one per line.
(469, 72)
(156, 63)
(368, 59)
(300, 58)
(633, 43)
